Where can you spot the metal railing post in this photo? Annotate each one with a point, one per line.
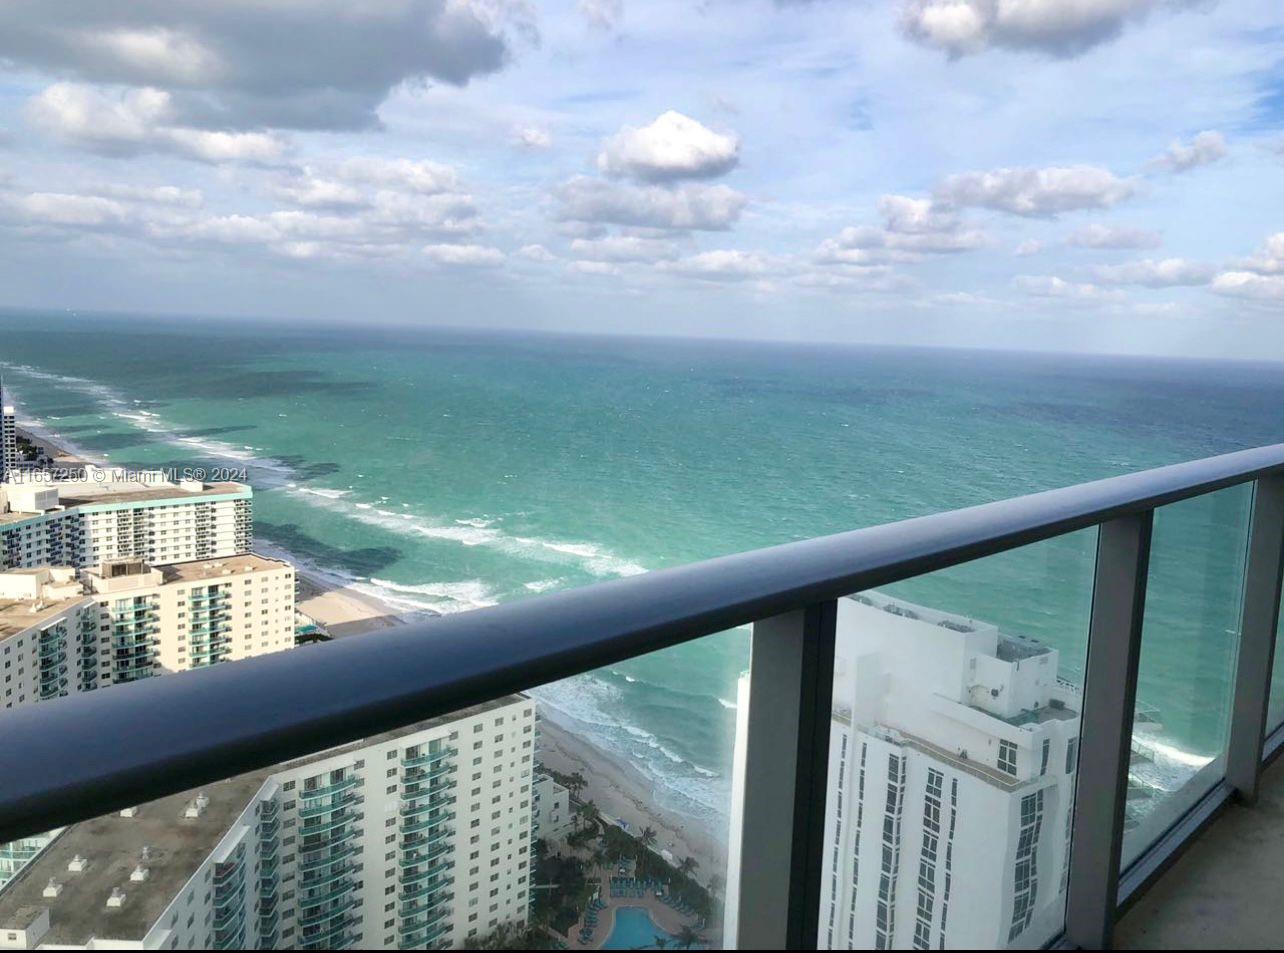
(1259, 617)
(791, 684)
(1105, 732)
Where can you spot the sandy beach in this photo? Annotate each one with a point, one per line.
(623, 792)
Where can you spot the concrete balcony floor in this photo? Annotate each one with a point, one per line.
(1227, 890)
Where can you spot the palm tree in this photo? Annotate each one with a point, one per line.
(661, 942)
(687, 938)
(647, 837)
(688, 866)
(576, 783)
(716, 884)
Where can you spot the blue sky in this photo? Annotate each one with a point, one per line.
(1060, 174)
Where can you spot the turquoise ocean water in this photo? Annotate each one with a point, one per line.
(446, 470)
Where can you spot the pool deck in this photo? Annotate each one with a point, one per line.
(665, 917)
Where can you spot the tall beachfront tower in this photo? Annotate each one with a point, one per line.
(8, 437)
(418, 838)
(953, 749)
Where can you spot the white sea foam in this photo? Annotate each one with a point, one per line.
(124, 409)
(585, 706)
(472, 532)
(543, 585)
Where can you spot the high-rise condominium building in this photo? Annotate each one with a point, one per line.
(951, 777)
(8, 438)
(128, 620)
(418, 838)
(81, 523)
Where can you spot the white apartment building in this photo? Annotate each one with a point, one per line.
(551, 811)
(418, 838)
(951, 779)
(8, 438)
(128, 620)
(81, 523)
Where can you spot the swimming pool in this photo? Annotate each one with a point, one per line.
(635, 930)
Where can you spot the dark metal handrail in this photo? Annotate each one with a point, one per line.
(104, 750)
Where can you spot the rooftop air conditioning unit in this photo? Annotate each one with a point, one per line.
(52, 889)
(117, 898)
(78, 864)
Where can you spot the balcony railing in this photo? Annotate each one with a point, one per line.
(95, 753)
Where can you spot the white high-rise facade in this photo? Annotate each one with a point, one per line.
(8, 438)
(418, 838)
(953, 749)
(82, 523)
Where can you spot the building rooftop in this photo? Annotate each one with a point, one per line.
(199, 569)
(87, 494)
(113, 845)
(177, 846)
(17, 615)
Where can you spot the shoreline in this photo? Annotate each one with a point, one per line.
(622, 792)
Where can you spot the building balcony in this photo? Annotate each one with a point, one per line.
(331, 789)
(328, 859)
(429, 758)
(326, 914)
(1121, 589)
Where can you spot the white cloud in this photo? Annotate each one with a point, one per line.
(1031, 246)
(1036, 192)
(1162, 273)
(1097, 235)
(728, 265)
(602, 14)
(532, 137)
(673, 147)
(140, 120)
(1055, 27)
(911, 229)
(599, 268)
(63, 209)
(536, 253)
(1247, 284)
(1270, 259)
(684, 207)
(469, 256)
(1205, 149)
(623, 248)
(405, 175)
(1052, 286)
(306, 64)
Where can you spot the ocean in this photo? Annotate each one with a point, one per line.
(445, 470)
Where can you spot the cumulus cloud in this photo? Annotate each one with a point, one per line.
(1114, 236)
(536, 252)
(911, 229)
(1270, 259)
(1151, 273)
(468, 256)
(140, 120)
(532, 137)
(1259, 278)
(1031, 246)
(1052, 286)
(303, 64)
(602, 14)
(1055, 27)
(1036, 193)
(1247, 284)
(684, 207)
(672, 147)
(1205, 149)
(728, 265)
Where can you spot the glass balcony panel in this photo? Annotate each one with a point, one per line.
(1189, 642)
(954, 752)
